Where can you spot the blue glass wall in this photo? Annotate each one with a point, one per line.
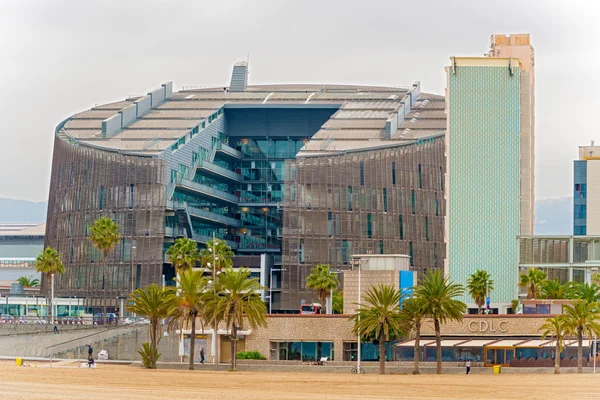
(580, 197)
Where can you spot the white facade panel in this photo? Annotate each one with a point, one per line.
(593, 197)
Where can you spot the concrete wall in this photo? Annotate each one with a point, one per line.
(368, 280)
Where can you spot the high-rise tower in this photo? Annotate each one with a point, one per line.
(489, 149)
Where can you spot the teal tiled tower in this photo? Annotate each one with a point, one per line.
(483, 156)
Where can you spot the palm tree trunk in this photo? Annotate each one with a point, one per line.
(479, 308)
(233, 346)
(382, 352)
(153, 344)
(557, 357)
(438, 346)
(417, 348)
(579, 350)
(193, 342)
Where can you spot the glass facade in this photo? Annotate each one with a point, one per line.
(580, 197)
(302, 351)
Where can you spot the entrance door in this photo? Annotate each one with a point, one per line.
(498, 356)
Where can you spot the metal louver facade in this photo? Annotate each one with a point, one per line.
(380, 201)
(87, 184)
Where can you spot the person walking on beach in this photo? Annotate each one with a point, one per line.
(468, 365)
(202, 355)
(55, 330)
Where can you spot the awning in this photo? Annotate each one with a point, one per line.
(477, 343)
(505, 343)
(534, 343)
(448, 343)
(411, 343)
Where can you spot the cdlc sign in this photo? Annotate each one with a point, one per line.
(488, 326)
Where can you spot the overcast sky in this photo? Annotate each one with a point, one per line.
(62, 57)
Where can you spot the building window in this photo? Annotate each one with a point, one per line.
(437, 207)
(435, 255)
(580, 211)
(369, 226)
(301, 251)
(173, 175)
(302, 351)
(349, 198)
(174, 148)
(393, 173)
(410, 254)
(330, 224)
(362, 173)
(426, 228)
(381, 247)
(441, 179)
(101, 198)
(401, 227)
(413, 201)
(384, 200)
(420, 177)
(131, 195)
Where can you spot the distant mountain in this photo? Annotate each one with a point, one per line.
(554, 216)
(22, 211)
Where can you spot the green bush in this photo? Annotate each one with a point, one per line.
(250, 355)
(146, 352)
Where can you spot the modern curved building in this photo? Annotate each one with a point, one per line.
(289, 175)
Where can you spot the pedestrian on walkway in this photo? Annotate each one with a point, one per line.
(468, 365)
(202, 355)
(55, 330)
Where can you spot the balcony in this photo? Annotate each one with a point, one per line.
(223, 149)
(205, 238)
(218, 171)
(206, 191)
(213, 218)
(251, 243)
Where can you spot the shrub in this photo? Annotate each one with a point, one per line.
(146, 352)
(250, 355)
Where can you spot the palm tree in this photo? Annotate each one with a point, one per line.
(479, 284)
(48, 262)
(582, 318)
(104, 235)
(238, 297)
(222, 258)
(337, 303)
(557, 329)
(28, 281)
(552, 289)
(154, 303)
(183, 254)
(533, 281)
(189, 304)
(323, 281)
(440, 303)
(586, 291)
(379, 317)
(412, 315)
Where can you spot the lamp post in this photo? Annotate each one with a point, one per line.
(213, 347)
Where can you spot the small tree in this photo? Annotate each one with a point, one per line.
(379, 317)
(323, 281)
(585, 291)
(222, 255)
(582, 318)
(412, 315)
(552, 289)
(533, 281)
(28, 281)
(154, 303)
(189, 304)
(238, 296)
(479, 284)
(439, 302)
(104, 235)
(183, 254)
(557, 329)
(48, 262)
(338, 302)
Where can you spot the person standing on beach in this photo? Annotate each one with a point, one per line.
(468, 365)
